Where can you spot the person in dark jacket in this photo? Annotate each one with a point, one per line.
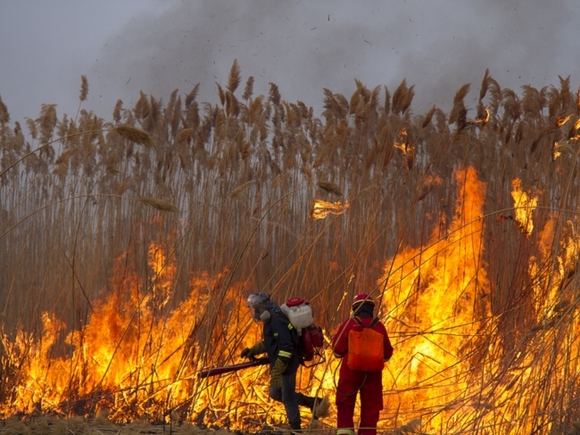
(369, 384)
(281, 344)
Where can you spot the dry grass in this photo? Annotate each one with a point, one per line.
(243, 174)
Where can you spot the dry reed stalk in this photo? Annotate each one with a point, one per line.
(361, 114)
(248, 89)
(236, 193)
(4, 115)
(369, 191)
(191, 96)
(387, 106)
(232, 106)
(495, 95)
(135, 134)
(374, 99)
(176, 117)
(330, 187)
(566, 94)
(184, 135)
(332, 106)
(428, 117)
(356, 101)
(141, 109)
(512, 106)
(62, 127)
(485, 82)
(305, 112)
(402, 98)
(47, 121)
(124, 185)
(159, 204)
(151, 121)
(221, 94)
(531, 102)
(274, 94)
(84, 88)
(293, 118)
(234, 78)
(117, 111)
(255, 110)
(458, 111)
(554, 102)
(341, 105)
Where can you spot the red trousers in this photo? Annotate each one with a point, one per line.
(370, 387)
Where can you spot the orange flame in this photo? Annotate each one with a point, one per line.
(436, 301)
(321, 209)
(524, 206)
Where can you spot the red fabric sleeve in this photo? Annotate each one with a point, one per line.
(387, 346)
(340, 340)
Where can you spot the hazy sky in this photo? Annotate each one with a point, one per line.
(156, 46)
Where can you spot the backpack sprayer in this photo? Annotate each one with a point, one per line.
(310, 338)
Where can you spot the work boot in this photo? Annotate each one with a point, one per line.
(296, 429)
(308, 402)
(321, 407)
(318, 406)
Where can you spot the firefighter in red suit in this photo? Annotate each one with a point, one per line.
(350, 383)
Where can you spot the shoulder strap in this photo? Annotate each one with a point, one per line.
(289, 324)
(371, 325)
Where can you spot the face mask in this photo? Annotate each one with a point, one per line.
(259, 316)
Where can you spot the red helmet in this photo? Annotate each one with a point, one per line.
(362, 298)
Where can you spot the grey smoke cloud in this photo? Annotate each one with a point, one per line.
(302, 46)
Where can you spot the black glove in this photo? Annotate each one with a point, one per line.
(276, 375)
(250, 352)
(247, 353)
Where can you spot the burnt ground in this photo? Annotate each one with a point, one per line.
(81, 426)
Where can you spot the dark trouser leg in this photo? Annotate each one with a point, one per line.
(304, 400)
(287, 395)
(308, 402)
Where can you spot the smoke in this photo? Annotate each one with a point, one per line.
(304, 47)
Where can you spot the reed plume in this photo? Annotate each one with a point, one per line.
(84, 88)
(428, 117)
(275, 96)
(402, 98)
(330, 187)
(4, 115)
(236, 193)
(135, 134)
(248, 89)
(159, 204)
(485, 82)
(235, 77)
(191, 96)
(458, 111)
(117, 111)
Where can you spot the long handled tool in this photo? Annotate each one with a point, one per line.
(228, 369)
